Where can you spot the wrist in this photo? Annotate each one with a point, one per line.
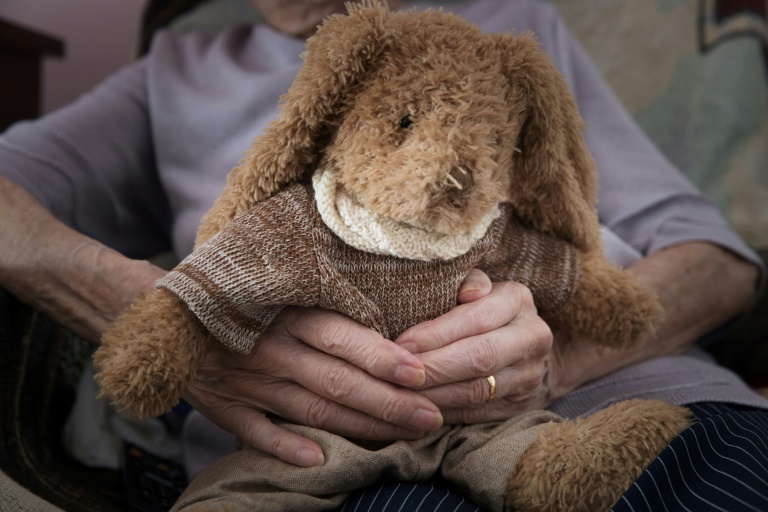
(80, 283)
(104, 283)
(575, 362)
(566, 372)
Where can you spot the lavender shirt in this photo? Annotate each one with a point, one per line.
(136, 162)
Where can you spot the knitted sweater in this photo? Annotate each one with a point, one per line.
(281, 253)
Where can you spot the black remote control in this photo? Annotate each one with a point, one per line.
(152, 483)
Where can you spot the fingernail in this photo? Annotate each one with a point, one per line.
(469, 294)
(410, 376)
(468, 289)
(424, 419)
(309, 458)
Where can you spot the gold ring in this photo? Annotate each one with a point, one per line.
(492, 387)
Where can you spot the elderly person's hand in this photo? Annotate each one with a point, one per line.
(496, 332)
(320, 368)
(316, 368)
(489, 358)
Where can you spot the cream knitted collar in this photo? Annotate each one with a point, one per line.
(368, 231)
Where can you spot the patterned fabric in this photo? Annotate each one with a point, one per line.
(694, 73)
(281, 253)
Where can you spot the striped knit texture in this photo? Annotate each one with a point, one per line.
(281, 253)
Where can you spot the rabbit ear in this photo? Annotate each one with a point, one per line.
(337, 58)
(554, 185)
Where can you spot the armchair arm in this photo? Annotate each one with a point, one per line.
(39, 366)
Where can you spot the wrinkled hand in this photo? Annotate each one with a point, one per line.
(494, 331)
(317, 368)
(322, 369)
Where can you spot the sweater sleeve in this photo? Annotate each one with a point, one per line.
(238, 281)
(643, 198)
(92, 165)
(547, 265)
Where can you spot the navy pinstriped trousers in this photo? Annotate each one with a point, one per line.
(718, 464)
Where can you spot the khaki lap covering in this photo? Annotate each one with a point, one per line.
(475, 458)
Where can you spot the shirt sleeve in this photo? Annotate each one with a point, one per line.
(643, 198)
(92, 165)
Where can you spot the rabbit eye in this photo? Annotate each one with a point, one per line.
(406, 121)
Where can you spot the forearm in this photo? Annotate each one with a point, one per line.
(78, 281)
(701, 286)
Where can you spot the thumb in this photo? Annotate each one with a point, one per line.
(475, 285)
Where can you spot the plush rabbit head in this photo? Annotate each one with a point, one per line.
(428, 121)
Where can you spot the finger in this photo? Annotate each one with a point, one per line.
(526, 339)
(300, 405)
(258, 431)
(475, 285)
(505, 302)
(511, 382)
(293, 402)
(290, 360)
(342, 337)
(496, 410)
(345, 384)
(307, 408)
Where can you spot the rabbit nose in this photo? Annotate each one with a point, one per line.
(460, 177)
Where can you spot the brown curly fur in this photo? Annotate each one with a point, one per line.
(608, 308)
(586, 465)
(150, 354)
(491, 120)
